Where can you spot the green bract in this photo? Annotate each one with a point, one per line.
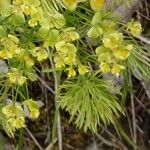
(18, 19)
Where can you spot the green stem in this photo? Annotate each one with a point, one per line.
(57, 114)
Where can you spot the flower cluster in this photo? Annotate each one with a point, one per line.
(114, 48)
(32, 23)
(16, 116)
(66, 53)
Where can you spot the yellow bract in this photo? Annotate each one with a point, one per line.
(65, 55)
(18, 122)
(105, 67)
(112, 40)
(95, 31)
(14, 115)
(70, 59)
(134, 27)
(57, 21)
(9, 111)
(28, 60)
(59, 61)
(82, 69)
(71, 72)
(42, 54)
(32, 22)
(69, 34)
(33, 108)
(5, 54)
(34, 113)
(116, 69)
(15, 76)
(121, 53)
(97, 5)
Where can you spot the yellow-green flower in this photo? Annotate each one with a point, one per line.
(10, 44)
(69, 34)
(105, 67)
(59, 61)
(121, 53)
(13, 38)
(18, 19)
(18, 122)
(15, 76)
(33, 108)
(34, 113)
(82, 69)
(105, 57)
(57, 21)
(129, 47)
(32, 22)
(28, 9)
(108, 25)
(134, 27)
(28, 60)
(116, 69)
(5, 54)
(51, 37)
(42, 54)
(65, 47)
(11, 111)
(69, 60)
(39, 15)
(71, 72)
(112, 40)
(95, 31)
(99, 50)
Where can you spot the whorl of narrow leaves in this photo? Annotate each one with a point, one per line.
(89, 102)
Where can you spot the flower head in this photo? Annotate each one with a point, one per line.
(15, 76)
(105, 67)
(71, 72)
(82, 69)
(116, 69)
(112, 40)
(134, 27)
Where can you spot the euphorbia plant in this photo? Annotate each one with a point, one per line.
(36, 31)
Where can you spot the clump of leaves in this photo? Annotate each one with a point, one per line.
(89, 102)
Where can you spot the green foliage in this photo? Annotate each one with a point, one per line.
(89, 102)
(78, 37)
(139, 65)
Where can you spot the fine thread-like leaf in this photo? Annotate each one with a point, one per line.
(88, 101)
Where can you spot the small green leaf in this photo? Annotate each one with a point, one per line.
(18, 19)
